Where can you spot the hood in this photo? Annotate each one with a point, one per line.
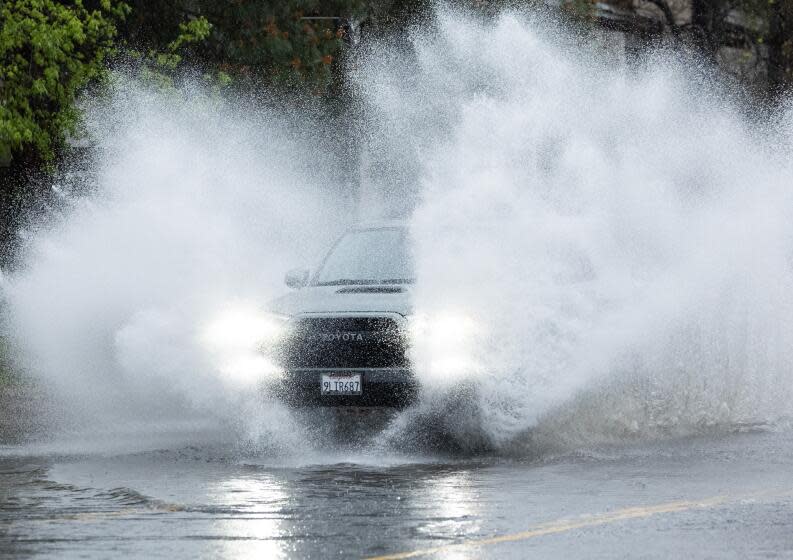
(345, 299)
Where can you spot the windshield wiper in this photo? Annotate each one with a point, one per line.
(345, 282)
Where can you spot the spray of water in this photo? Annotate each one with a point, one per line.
(126, 309)
(609, 245)
(601, 251)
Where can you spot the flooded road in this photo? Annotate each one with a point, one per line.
(706, 497)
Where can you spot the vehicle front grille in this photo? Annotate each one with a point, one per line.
(344, 342)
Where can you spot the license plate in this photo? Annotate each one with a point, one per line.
(334, 384)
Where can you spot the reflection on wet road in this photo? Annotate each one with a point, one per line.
(727, 496)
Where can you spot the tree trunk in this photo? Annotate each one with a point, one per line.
(780, 47)
(707, 25)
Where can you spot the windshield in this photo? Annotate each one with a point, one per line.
(369, 256)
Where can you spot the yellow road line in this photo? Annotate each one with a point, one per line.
(564, 525)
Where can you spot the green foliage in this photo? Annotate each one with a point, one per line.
(258, 42)
(293, 42)
(159, 66)
(48, 51)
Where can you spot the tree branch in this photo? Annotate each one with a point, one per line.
(663, 5)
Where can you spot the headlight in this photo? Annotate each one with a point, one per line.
(244, 329)
(442, 345)
(235, 339)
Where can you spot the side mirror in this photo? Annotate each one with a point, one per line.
(297, 278)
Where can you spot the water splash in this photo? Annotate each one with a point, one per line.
(198, 208)
(608, 246)
(619, 235)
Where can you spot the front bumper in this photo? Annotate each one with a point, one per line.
(387, 387)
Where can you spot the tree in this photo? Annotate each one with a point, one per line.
(780, 46)
(159, 67)
(49, 51)
(283, 43)
(763, 28)
(279, 43)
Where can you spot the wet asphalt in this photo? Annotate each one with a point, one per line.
(724, 496)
